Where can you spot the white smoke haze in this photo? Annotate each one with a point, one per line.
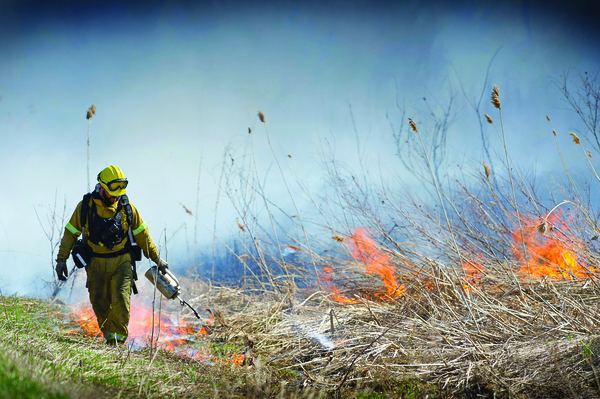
(176, 88)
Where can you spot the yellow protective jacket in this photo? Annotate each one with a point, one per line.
(139, 228)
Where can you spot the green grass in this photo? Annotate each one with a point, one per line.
(36, 334)
(39, 358)
(15, 384)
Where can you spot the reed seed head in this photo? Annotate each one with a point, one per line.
(487, 170)
(93, 108)
(249, 130)
(413, 125)
(338, 238)
(590, 155)
(543, 227)
(490, 121)
(293, 248)
(89, 114)
(241, 226)
(261, 116)
(496, 97)
(575, 138)
(187, 210)
(244, 257)
(289, 155)
(547, 117)
(554, 131)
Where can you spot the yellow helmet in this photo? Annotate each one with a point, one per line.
(113, 180)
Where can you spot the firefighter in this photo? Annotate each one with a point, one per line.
(111, 230)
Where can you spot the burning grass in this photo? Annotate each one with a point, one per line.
(57, 363)
(492, 294)
(453, 334)
(448, 333)
(486, 329)
(493, 327)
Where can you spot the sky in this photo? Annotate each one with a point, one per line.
(178, 84)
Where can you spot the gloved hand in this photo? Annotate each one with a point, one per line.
(61, 269)
(162, 264)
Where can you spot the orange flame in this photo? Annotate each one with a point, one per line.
(237, 358)
(473, 273)
(363, 249)
(334, 293)
(171, 336)
(86, 321)
(551, 255)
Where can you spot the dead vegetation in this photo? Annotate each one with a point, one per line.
(489, 336)
(492, 292)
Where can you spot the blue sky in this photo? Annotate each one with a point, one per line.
(175, 84)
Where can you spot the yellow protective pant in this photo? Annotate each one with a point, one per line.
(109, 282)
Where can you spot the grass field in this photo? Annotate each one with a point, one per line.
(402, 348)
(42, 357)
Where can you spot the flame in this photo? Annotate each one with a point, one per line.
(173, 333)
(554, 255)
(364, 250)
(85, 319)
(334, 293)
(140, 325)
(473, 272)
(551, 255)
(210, 315)
(237, 358)
(170, 333)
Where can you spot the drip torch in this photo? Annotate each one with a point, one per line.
(168, 285)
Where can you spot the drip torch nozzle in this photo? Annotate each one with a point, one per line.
(182, 302)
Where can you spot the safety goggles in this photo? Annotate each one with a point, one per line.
(117, 184)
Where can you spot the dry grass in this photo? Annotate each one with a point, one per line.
(478, 322)
(533, 342)
(483, 308)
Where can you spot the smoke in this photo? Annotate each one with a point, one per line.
(173, 82)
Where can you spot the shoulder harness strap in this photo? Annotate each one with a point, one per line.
(85, 208)
(132, 245)
(128, 211)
